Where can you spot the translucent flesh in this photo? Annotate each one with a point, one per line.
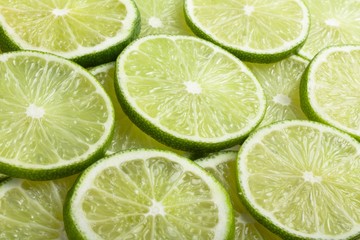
(75, 112)
(119, 203)
(321, 35)
(85, 23)
(246, 228)
(33, 210)
(157, 72)
(169, 13)
(229, 22)
(306, 180)
(335, 92)
(280, 79)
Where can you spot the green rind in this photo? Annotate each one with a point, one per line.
(71, 227)
(243, 55)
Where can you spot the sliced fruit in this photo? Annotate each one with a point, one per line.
(188, 93)
(281, 83)
(330, 88)
(222, 166)
(88, 32)
(147, 194)
(255, 31)
(56, 119)
(332, 23)
(300, 179)
(33, 210)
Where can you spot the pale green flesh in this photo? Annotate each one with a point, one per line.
(335, 89)
(281, 82)
(78, 24)
(125, 196)
(246, 228)
(126, 134)
(33, 210)
(243, 24)
(332, 23)
(162, 17)
(305, 179)
(191, 89)
(74, 119)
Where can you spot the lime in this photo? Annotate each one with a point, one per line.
(330, 88)
(2, 176)
(162, 17)
(301, 179)
(256, 31)
(222, 165)
(88, 32)
(332, 23)
(147, 194)
(188, 93)
(281, 82)
(126, 134)
(56, 119)
(33, 210)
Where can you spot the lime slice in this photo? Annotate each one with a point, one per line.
(56, 119)
(147, 194)
(162, 17)
(223, 167)
(332, 23)
(301, 179)
(194, 96)
(33, 210)
(88, 32)
(126, 134)
(256, 31)
(2, 176)
(330, 88)
(281, 82)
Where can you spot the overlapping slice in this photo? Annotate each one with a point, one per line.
(88, 32)
(56, 119)
(256, 31)
(223, 166)
(188, 93)
(301, 179)
(147, 194)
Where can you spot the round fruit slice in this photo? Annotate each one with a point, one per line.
(56, 119)
(88, 32)
(330, 88)
(33, 210)
(147, 194)
(162, 17)
(126, 134)
(301, 179)
(281, 83)
(332, 23)
(188, 93)
(223, 167)
(256, 31)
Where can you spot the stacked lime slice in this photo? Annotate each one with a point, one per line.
(88, 32)
(147, 194)
(56, 119)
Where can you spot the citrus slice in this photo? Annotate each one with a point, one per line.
(281, 82)
(222, 166)
(332, 23)
(330, 88)
(88, 32)
(300, 179)
(33, 210)
(126, 134)
(2, 176)
(193, 95)
(162, 17)
(56, 119)
(147, 194)
(256, 31)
